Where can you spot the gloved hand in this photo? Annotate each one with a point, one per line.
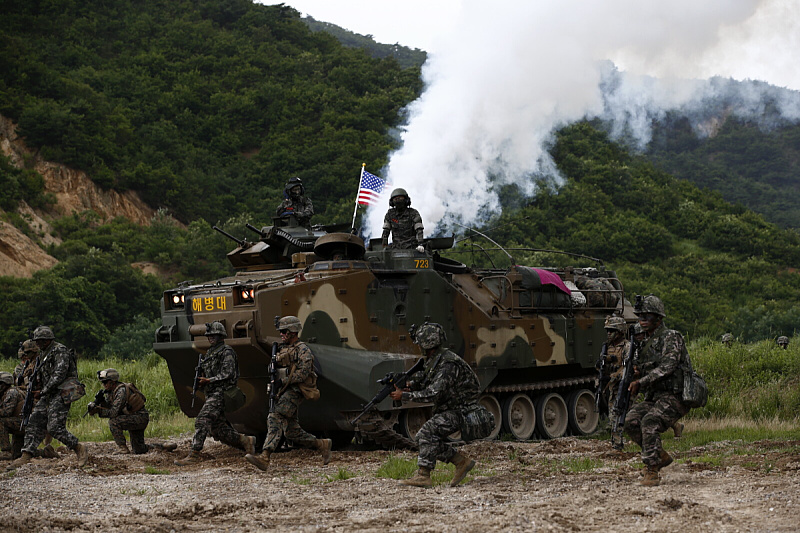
(421, 249)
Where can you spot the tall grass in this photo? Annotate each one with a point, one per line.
(757, 381)
(149, 374)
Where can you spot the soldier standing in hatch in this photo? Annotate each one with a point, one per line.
(660, 377)
(295, 203)
(403, 222)
(219, 372)
(11, 400)
(299, 384)
(58, 375)
(450, 384)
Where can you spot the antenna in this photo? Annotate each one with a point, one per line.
(490, 240)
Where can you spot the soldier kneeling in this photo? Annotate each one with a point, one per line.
(123, 405)
(452, 387)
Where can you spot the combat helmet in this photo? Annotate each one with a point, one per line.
(783, 340)
(429, 335)
(43, 332)
(650, 304)
(216, 328)
(399, 192)
(109, 374)
(616, 323)
(290, 323)
(727, 338)
(6, 378)
(292, 183)
(30, 346)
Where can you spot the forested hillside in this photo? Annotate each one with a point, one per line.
(206, 107)
(760, 170)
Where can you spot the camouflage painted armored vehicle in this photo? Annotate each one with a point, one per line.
(532, 341)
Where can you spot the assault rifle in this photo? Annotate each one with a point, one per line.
(27, 407)
(197, 371)
(601, 406)
(389, 382)
(99, 398)
(272, 386)
(623, 401)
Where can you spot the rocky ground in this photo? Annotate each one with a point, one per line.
(560, 485)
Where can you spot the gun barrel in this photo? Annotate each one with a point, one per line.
(255, 229)
(240, 242)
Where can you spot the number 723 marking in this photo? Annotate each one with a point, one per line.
(421, 263)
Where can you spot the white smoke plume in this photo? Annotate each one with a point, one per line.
(514, 72)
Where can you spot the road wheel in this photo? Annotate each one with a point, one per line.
(551, 416)
(519, 416)
(493, 406)
(582, 418)
(411, 420)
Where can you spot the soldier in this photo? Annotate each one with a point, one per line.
(403, 222)
(219, 372)
(449, 383)
(299, 384)
(727, 340)
(295, 203)
(27, 355)
(58, 374)
(11, 400)
(660, 377)
(617, 347)
(123, 405)
(783, 341)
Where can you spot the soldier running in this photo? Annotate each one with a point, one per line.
(300, 383)
(59, 378)
(219, 372)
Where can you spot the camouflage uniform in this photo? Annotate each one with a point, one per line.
(450, 384)
(283, 419)
(300, 207)
(618, 352)
(221, 367)
(23, 373)
(50, 412)
(120, 419)
(10, 419)
(661, 382)
(405, 226)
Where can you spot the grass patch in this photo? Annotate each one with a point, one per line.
(397, 467)
(300, 480)
(340, 475)
(155, 471)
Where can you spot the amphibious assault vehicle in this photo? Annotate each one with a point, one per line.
(532, 335)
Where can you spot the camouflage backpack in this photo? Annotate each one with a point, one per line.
(135, 400)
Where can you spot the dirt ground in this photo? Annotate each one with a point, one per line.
(560, 485)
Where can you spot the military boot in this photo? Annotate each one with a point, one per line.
(324, 446)
(192, 458)
(83, 454)
(248, 444)
(422, 479)
(677, 428)
(122, 449)
(6, 456)
(24, 459)
(260, 461)
(167, 446)
(664, 459)
(49, 452)
(463, 465)
(651, 477)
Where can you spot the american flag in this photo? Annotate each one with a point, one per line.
(370, 188)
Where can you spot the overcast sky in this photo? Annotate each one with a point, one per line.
(764, 45)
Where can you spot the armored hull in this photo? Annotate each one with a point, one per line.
(532, 344)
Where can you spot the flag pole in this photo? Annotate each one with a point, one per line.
(355, 209)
